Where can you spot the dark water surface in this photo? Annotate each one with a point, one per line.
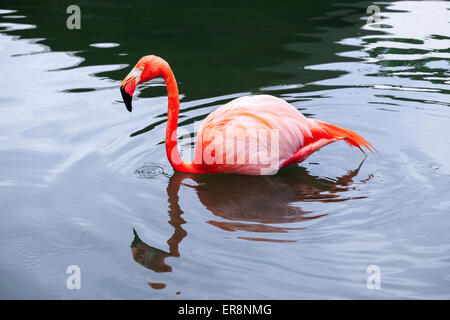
(83, 182)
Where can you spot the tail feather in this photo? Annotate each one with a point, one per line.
(351, 138)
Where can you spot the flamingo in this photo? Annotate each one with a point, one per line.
(251, 135)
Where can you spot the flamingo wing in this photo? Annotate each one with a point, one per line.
(249, 134)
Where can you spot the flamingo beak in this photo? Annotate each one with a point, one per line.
(127, 89)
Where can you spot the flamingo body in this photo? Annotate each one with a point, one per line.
(242, 123)
(252, 135)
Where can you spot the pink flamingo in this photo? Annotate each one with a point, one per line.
(253, 135)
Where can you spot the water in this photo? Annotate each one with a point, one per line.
(83, 182)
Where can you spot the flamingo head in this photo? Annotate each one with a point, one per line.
(147, 68)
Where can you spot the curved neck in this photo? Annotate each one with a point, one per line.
(173, 110)
(172, 119)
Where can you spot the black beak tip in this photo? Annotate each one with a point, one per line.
(126, 98)
(129, 108)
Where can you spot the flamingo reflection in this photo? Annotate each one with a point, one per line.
(246, 203)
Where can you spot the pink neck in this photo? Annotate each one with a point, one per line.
(172, 119)
(172, 123)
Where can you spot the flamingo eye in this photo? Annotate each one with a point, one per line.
(136, 72)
